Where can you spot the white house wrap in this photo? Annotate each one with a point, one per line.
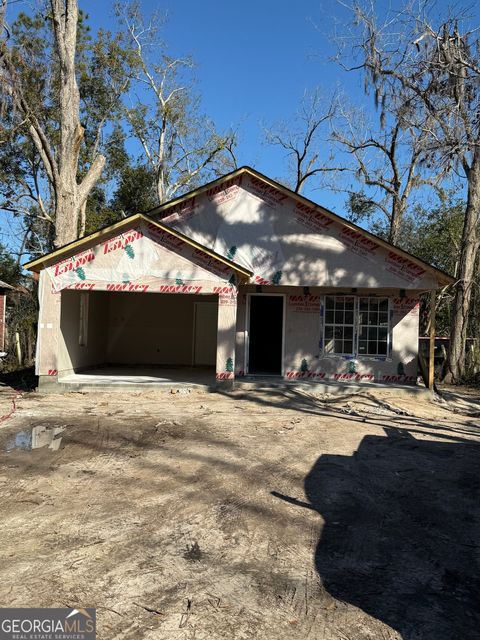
(299, 291)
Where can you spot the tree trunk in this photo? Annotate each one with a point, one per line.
(70, 196)
(455, 364)
(395, 221)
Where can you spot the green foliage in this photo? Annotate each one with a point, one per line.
(434, 235)
(360, 208)
(10, 271)
(229, 365)
(304, 366)
(135, 192)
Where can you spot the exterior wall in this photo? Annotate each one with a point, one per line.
(226, 337)
(46, 360)
(287, 242)
(304, 356)
(137, 263)
(71, 354)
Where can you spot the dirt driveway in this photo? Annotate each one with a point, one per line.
(268, 516)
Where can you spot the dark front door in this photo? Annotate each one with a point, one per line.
(266, 335)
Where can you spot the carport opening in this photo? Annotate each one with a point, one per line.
(157, 336)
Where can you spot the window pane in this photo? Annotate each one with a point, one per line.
(339, 332)
(362, 346)
(363, 304)
(329, 302)
(372, 333)
(372, 347)
(348, 317)
(338, 317)
(329, 316)
(383, 305)
(373, 318)
(338, 346)
(339, 303)
(328, 333)
(382, 335)
(383, 319)
(373, 304)
(348, 333)
(382, 348)
(349, 302)
(363, 333)
(348, 346)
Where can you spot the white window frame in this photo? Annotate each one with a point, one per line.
(377, 326)
(356, 328)
(334, 325)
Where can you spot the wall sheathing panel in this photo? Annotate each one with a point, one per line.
(141, 261)
(305, 357)
(71, 354)
(46, 361)
(286, 242)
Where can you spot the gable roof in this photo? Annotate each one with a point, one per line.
(93, 238)
(163, 209)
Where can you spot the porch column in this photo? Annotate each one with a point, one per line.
(46, 360)
(431, 340)
(226, 334)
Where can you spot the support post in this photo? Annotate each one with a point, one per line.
(431, 340)
(226, 337)
(46, 361)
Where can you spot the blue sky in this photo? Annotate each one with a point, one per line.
(254, 61)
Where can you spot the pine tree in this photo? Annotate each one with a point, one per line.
(304, 366)
(229, 365)
(80, 273)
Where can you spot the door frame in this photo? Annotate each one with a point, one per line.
(247, 331)
(194, 330)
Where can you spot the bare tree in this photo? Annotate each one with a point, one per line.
(387, 160)
(303, 139)
(181, 146)
(432, 67)
(58, 151)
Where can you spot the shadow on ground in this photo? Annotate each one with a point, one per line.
(401, 537)
(21, 379)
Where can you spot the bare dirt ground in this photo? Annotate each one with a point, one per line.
(266, 516)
